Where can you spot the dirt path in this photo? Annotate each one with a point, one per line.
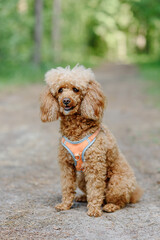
(29, 173)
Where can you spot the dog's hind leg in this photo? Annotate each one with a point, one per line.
(117, 195)
(119, 192)
(121, 187)
(81, 183)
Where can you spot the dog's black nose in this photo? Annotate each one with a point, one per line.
(66, 101)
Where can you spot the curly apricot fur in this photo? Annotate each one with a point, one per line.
(107, 176)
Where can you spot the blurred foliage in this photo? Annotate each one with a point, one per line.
(93, 30)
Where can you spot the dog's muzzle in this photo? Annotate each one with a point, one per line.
(66, 103)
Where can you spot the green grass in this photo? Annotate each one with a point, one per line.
(27, 73)
(150, 72)
(149, 69)
(20, 74)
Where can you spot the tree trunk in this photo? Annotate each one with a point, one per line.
(56, 35)
(38, 31)
(148, 39)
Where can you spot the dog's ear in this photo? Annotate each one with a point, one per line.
(94, 102)
(48, 106)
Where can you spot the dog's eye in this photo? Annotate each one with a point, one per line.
(60, 90)
(75, 90)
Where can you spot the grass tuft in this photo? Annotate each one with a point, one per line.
(150, 72)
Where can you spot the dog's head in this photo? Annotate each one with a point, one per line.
(71, 91)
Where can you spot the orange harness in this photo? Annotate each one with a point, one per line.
(77, 148)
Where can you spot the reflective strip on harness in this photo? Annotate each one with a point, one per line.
(77, 148)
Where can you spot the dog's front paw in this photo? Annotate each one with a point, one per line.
(110, 207)
(94, 212)
(62, 207)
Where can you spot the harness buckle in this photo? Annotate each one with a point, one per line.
(77, 157)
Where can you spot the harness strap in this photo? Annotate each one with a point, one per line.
(77, 148)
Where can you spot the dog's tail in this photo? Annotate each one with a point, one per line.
(137, 194)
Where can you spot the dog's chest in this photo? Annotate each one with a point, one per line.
(89, 148)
